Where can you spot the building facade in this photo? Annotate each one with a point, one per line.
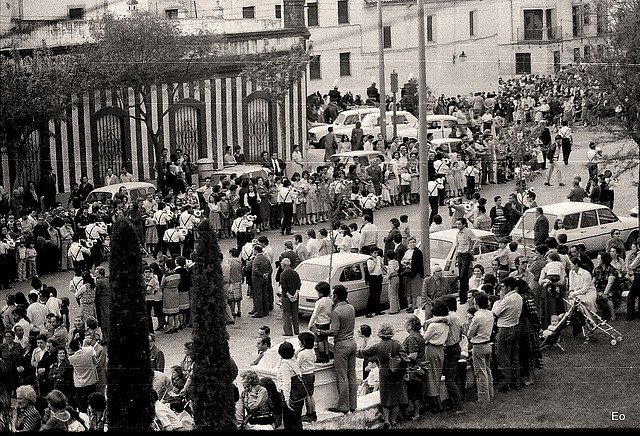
(207, 115)
(499, 38)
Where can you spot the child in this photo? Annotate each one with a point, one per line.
(372, 382)
(394, 282)
(513, 254)
(553, 273)
(365, 334)
(306, 358)
(235, 282)
(386, 194)
(31, 261)
(214, 214)
(64, 312)
(224, 216)
(404, 229)
(321, 320)
(405, 186)
(22, 261)
(263, 345)
(150, 234)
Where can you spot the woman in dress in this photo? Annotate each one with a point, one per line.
(61, 373)
(297, 164)
(393, 390)
(529, 349)
(170, 298)
(457, 183)
(263, 191)
(87, 295)
(312, 200)
(581, 287)
(214, 213)
(415, 348)
(345, 242)
(414, 170)
(435, 338)
(252, 201)
(393, 177)
(323, 195)
(412, 270)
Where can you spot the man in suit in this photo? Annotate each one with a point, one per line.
(330, 144)
(260, 271)
(541, 228)
(277, 165)
(375, 173)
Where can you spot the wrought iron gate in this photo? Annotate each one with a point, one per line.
(258, 128)
(188, 136)
(110, 145)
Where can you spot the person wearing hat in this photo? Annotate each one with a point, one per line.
(553, 154)
(372, 92)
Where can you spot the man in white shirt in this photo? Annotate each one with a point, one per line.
(479, 335)
(356, 237)
(37, 313)
(285, 198)
(205, 191)
(567, 141)
(163, 217)
(369, 236)
(376, 271)
(508, 310)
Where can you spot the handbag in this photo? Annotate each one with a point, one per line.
(298, 389)
(397, 364)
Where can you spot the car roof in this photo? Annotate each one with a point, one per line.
(450, 234)
(362, 110)
(441, 117)
(358, 153)
(389, 113)
(128, 185)
(239, 169)
(567, 207)
(339, 259)
(445, 140)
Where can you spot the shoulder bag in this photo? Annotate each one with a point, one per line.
(298, 390)
(397, 364)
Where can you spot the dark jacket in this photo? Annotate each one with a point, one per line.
(417, 265)
(541, 230)
(289, 282)
(260, 266)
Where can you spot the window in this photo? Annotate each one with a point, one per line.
(589, 219)
(278, 11)
(312, 14)
(345, 64)
(601, 19)
(606, 216)
(533, 26)
(473, 21)
(76, 13)
(488, 246)
(430, 28)
(249, 12)
(556, 61)
(600, 51)
(314, 68)
(586, 14)
(400, 119)
(523, 63)
(313, 272)
(171, 14)
(587, 53)
(576, 55)
(570, 222)
(351, 119)
(351, 273)
(576, 14)
(386, 33)
(343, 12)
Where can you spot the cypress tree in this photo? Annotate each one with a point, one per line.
(213, 369)
(129, 374)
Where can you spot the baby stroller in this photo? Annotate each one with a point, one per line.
(579, 312)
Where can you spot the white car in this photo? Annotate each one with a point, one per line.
(443, 254)
(240, 170)
(449, 145)
(351, 157)
(346, 120)
(347, 269)
(134, 191)
(587, 223)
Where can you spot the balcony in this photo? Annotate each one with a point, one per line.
(27, 35)
(539, 35)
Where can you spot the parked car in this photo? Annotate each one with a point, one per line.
(449, 145)
(441, 125)
(361, 156)
(347, 269)
(586, 223)
(241, 171)
(345, 120)
(134, 190)
(444, 255)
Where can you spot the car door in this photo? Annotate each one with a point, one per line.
(570, 226)
(589, 230)
(352, 278)
(488, 249)
(435, 127)
(608, 222)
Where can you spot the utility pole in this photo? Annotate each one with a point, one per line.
(394, 90)
(383, 94)
(422, 139)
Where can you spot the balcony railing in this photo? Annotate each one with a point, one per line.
(541, 34)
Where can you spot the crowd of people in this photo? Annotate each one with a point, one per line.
(509, 306)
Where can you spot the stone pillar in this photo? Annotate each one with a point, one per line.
(294, 14)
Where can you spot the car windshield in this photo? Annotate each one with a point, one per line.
(529, 220)
(340, 119)
(98, 196)
(440, 248)
(313, 272)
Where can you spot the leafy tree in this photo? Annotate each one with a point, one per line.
(409, 96)
(33, 91)
(141, 52)
(616, 76)
(213, 372)
(129, 372)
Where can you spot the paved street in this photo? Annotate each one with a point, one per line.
(243, 334)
